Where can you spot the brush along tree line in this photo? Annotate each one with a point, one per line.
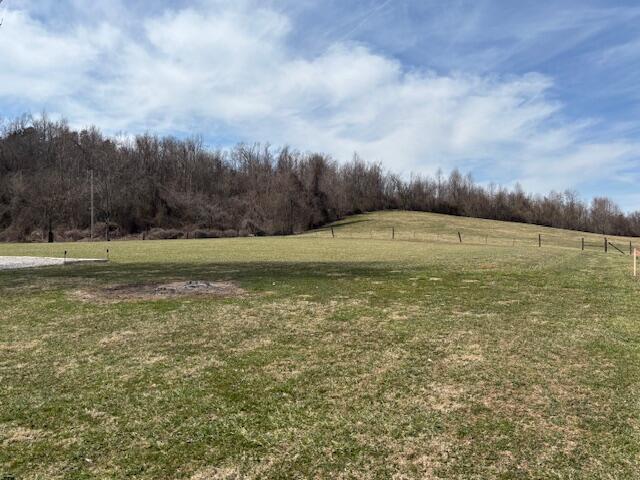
(165, 187)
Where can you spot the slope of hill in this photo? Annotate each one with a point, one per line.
(436, 227)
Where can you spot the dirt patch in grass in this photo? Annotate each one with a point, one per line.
(189, 288)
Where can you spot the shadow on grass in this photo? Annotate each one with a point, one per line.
(343, 223)
(258, 275)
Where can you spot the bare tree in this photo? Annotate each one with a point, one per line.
(152, 182)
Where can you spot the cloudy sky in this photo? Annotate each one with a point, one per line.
(544, 93)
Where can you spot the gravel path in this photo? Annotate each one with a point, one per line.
(7, 263)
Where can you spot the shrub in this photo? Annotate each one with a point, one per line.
(35, 236)
(162, 234)
(73, 235)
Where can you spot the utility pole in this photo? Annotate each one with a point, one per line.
(92, 204)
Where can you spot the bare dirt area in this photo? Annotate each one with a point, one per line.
(187, 288)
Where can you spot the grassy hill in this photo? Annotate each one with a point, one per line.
(351, 357)
(444, 228)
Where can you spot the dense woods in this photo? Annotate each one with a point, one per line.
(162, 187)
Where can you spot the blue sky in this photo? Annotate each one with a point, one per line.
(541, 93)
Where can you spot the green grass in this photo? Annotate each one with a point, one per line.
(444, 228)
(346, 358)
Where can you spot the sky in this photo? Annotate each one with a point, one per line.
(544, 93)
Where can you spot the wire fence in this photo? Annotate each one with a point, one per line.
(586, 242)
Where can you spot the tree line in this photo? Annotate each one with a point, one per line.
(164, 187)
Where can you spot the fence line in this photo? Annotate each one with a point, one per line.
(538, 240)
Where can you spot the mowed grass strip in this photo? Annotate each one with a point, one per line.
(344, 358)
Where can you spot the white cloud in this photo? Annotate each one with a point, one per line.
(232, 69)
(39, 65)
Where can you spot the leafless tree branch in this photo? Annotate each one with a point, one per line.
(166, 184)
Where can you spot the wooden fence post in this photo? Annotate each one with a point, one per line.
(393, 233)
(606, 248)
(333, 235)
(630, 249)
(582, 243)
(539, 240)
(459, 237)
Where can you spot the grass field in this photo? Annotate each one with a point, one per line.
(351, 357)
(445, 228)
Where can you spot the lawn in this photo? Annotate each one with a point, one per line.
(349, 357)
